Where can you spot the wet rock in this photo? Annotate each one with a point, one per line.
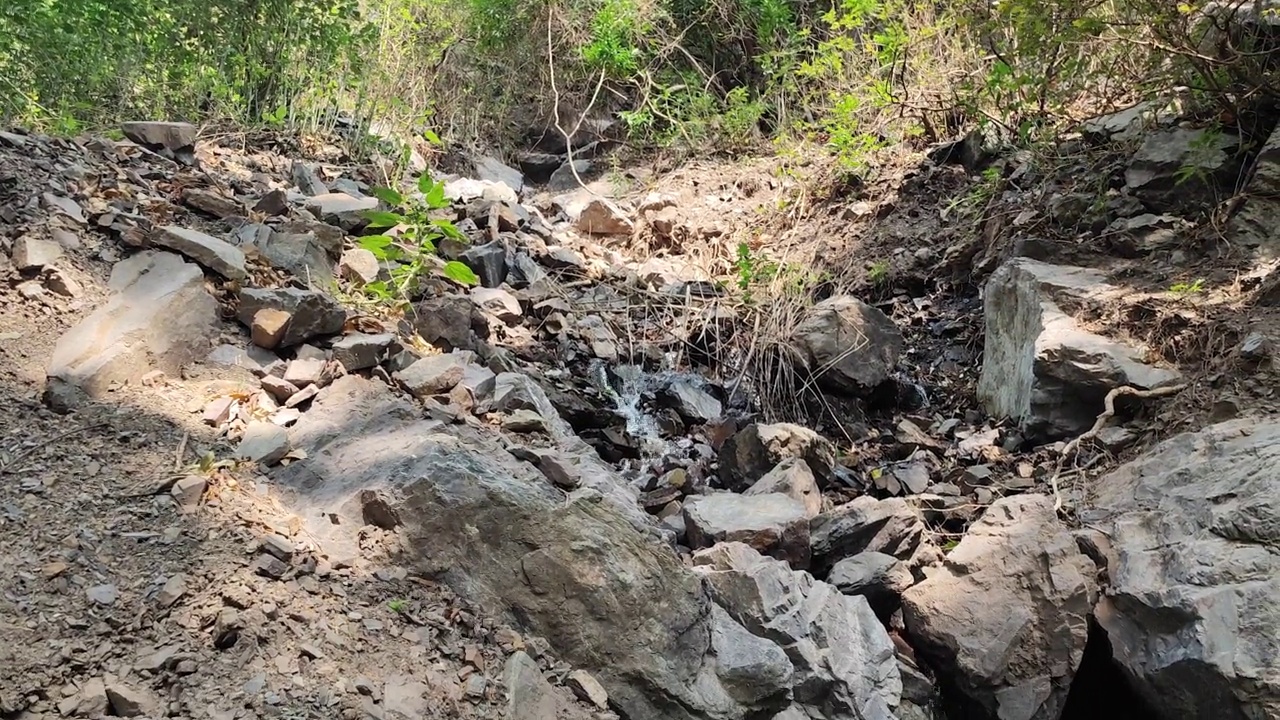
(1040, 367)
(488, 262)
(264, 443)
(1190, 611)
(793, 478)
(212, 203)
(302, 255)
(602, 217)
(773, 524)
(694, 404)
(891, 526)
(490, 526)
(130, 701)
(848, 345)
(342, 210)
(360, 266)
(751, 453)
(311, 313)
(844, 662)
(359, 351)
(1007, 615)
(217, 255)
(1156, 172)
(880, 578)
(158, 317)
(31, 253)
(433, 374)
(173, 136)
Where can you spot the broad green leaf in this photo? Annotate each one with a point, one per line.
(432, 138)
(382, 218)
(383, 247)
(425, 183)
(378, 289)
(388, 196)
(448, 229)
(460, 273)
(435, 196)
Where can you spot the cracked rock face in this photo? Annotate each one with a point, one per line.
(1191, 612)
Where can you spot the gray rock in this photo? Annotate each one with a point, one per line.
(488, 262)
(360, 266)
(601, 216)
(563, 178)
(1040, 367)
(64, 206)
(773, 524)
(1123, 124)
(751, 453)
(1180, 167)
(342, 210)
(488, 525)
(849, 346)
(359, 351)
(1191, 610)
(312, 313)
(845, 668)
(172, 136)
(499, 303)
(1255, 223)
(217, 255)
(158, 317)
(32, 253)
(433, 374)
(331, 238)
(529, 695)
(891, 526)
(273, 204)
(524, 271)
(308, 182)
(264, 443)
(302, 255)
(188, 490)
(466, 189)
(588, 688)
(753, 669)
(130, 701)
(447, 321)
(103, 594)
(212, 203)
(1007, 616)
(253, 358)
(880, 578)
(694, 404)
(793, 478)
(491, 169)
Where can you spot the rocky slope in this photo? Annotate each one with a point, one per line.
(247, 491)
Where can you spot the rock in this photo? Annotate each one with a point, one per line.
(129, 701)
(1190, 612)
(217, 255)
(563, 178)
(579, 573)
(187, 492)
(103, 594)
(342, 210)
(1040, 367)
(793, 478)
(880, 578)
(173, 136)
(493, 170)
(499, 303)
(433, 374)
(92, 701)
(751, 453)
(307, 181)
(1121, 125)
(31, 253)
(159, 317)
(588, 688)
(529, 695)
(1158, 174)
(403, 698)
(1255, 347)
(359, 351)
(753, 669)
(305, 369)
(264, 443)
(273, 204)
(561, 472)
(524, 421)
(844, 664)
(331, 238)
(488, 262)
(466, 189)
(1254, 224)
(891, 526)
(311, 313)
(63, 206)
(602, 217)
(360, 266)
(212, 203)
(302, 255)
(524, 271)
(694, 404)
(849, 346)
(773, 524)
(277, 546)
(279, 388)
(1007, 616)
(268, 326)
(447, 321)
(172, 591)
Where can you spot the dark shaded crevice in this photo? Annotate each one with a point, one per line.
(1102, 689)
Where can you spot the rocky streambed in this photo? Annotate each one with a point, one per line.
(546, 445)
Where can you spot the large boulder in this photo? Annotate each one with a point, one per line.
(845, 666)
(1040, 367)
(1192, 611)
(1007, 617)
(1180, 167)
(159, 316)
(572, 570)
(751, 453)
(772, 523)
(849, 346)
(1257, 223)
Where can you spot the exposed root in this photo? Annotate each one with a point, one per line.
(1109, 410)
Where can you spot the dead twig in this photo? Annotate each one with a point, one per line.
(1109, 410)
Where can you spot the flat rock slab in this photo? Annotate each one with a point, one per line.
(169, 135)
(217, 255)
(341, 209)
(773, 524)
(159, 317)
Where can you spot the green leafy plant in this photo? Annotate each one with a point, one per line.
(1191, 288)
(878, 273)
(398, 605)
(412, 249)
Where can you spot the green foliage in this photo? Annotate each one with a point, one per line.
(1185, 289)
